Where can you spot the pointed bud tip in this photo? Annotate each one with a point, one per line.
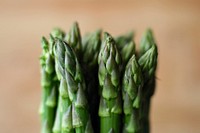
(44, 40)
(108, 38)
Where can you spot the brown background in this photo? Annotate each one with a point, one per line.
(176, 24)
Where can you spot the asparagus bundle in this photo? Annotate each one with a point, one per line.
(95, 84)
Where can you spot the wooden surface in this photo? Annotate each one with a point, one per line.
(176, 24)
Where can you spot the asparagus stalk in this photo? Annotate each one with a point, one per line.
(49, 87)
(110, 107)
(75, 115)
(90, 50)
(131, 90)
(148, 63)
(56, 33)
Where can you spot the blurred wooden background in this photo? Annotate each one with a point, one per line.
(176, 24)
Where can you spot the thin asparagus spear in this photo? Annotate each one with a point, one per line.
(73, 38)
(126, 47)
(90, 50)
(56, 33)
(131, 90)
(75, 115)
(127, 51)
(110, 107)
(148, 63)
(49, 86)
(146, 42)
(122, 40)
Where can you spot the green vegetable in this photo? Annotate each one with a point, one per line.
(148, 63)
(75, 115)
(73, 38)
(90, 51)
(146, 42)
(110, 107)
(131, 90)
(49, 87)
(95, 84)
(122, 40)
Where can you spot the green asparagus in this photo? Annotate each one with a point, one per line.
(110, 107)
(49, 87)
(131, 92)
(74, 108)
(90, 50)
(148, 63)
(73, 38)
(146, 42)
(95, 84)
(126, 47)
(122, 40)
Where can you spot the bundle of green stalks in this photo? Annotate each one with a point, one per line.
(98, 83)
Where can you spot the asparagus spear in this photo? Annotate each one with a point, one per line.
(75, 115)
(90, 50)
(148, 63)
(49, 87)
(131, 90)
(59, 34)
(146, 42)
(73, 38)
(126, 47)
(127, 51)
(110, 107)
(122, 40)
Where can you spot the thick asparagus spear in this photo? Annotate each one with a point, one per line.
(49, 87)
(110, 107)
(75, 115)
(131, 90)
(90, 51)
(148, 63)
